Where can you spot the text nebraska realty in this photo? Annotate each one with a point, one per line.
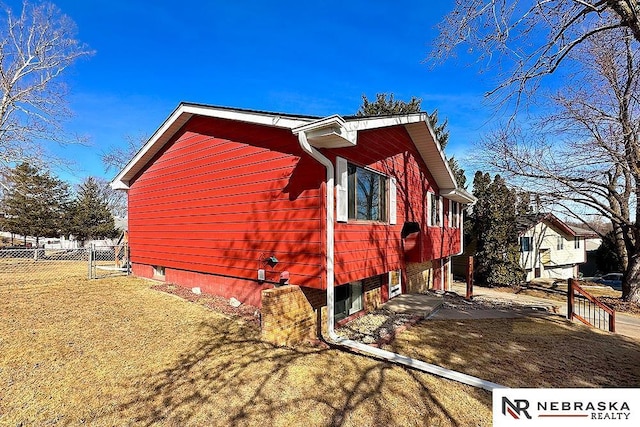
(598, 410)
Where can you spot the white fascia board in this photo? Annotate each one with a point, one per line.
(179, 117)
(458, 195)
(365, 123)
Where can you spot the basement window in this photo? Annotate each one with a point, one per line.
(348, 300)
(158, 272)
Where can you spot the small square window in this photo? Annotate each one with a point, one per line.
(348, 300)
(158, 272)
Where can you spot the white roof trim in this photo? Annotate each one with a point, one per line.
(179, 117)
(328, 132)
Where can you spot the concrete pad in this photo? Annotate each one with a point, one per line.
(416, 304)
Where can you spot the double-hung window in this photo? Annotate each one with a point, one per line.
(363, 194)
(525, 244)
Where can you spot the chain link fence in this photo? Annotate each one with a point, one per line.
(42, 266)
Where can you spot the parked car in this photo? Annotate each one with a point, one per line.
(612, 279)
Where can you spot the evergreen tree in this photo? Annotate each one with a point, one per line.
(89, 216)
(384, 106)
(34, 203)
(497, 261)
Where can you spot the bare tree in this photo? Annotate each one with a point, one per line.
(115, 158)
(36, 46)
(527, 39)
(585, 156)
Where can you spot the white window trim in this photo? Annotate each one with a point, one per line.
(342, 192)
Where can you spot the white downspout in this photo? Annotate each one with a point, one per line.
(335, 338)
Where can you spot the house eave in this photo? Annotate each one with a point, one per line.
(180, 116)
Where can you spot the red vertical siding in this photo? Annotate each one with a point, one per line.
(222, 196)
(365, 249)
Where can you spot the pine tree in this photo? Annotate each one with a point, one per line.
(89, 216)
(34, 203)
(494, 228)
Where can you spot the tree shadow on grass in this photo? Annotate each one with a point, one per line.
(229, 377)
(527, 352)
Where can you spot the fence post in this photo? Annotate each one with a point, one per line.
(570, 299)
(469, 294)
(91, 261)
(612, 321)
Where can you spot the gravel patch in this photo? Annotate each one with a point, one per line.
(374, 327)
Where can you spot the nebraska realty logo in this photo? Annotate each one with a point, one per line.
(573, 407)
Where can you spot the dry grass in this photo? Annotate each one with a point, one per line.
(116, 352)
(528, 352)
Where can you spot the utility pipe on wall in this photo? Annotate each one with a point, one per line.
(335, 338)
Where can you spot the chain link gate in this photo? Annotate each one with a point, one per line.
(109, 260)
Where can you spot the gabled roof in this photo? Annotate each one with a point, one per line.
(322, 132)
(526, 222)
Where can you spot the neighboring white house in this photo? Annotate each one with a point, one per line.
(549, 248)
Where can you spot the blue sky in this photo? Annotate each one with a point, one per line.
(288, 56)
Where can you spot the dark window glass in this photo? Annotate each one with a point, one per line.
(367, 192)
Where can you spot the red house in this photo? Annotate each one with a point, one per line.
(237, 201)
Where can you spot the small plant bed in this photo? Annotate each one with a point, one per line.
(248, 313)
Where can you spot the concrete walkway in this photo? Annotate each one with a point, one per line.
(416, 304)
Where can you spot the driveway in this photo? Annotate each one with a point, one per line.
(626, 324)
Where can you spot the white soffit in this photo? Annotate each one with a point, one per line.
(429, 148)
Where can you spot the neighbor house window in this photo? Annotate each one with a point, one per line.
(525, 244)
(560, 243)
(367, 194)
(435, 210)
(576, 242)
(348, 300)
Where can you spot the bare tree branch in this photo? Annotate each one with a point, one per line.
(35, 49)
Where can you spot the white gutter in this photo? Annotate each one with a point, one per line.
(338, 340)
